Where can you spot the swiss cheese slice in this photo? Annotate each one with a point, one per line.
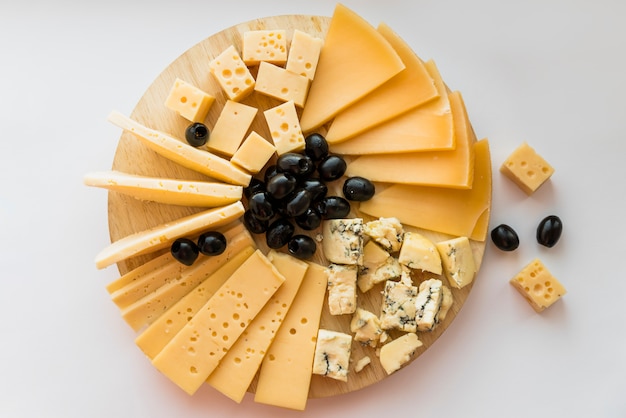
(168, 191)
(452, 169)
(355, 59)
(411, 88)
(428, 127)
(451, 211)
(239, 366)
(181, 153)
(285, 375)
(162, 236)
(139, 272)
(192, 355)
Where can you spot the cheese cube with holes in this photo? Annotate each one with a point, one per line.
(264, 45)
(276, 82)
(366, 327)
(540, 288)
(254, 153)
(418, 252)
(457, 261)
(526, 168)
(342, 289)
(285, 128)
(332, 354)
(231, 127)
(304, 54)
(398, 308)
(232, 74)
(189, 101)
(398, 352)
(378, 266)
(343, 241)
(388, 232)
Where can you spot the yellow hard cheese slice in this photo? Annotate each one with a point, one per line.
(411, 88)
(136, 274)
(285, 375)
(160, 332)
(355, 60)
(451, 211)
(181, 153)
(237, 369)
(192, 355)
(428, 127)
(168, 191)
(437, 168)
(163, 235)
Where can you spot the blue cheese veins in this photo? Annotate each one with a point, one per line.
(387, 232)
(332, 354)
(342, 289)
(366, 327)
(458, 261)
(398, 307)
(428, 304)
(343, 241)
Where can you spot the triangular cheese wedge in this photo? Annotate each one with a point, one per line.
(426, 128)
(411, 88)
(354, 60)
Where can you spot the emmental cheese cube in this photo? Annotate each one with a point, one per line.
(232, 74)
(540, 288)
(231, 127)
(264, 45)
(254, 153)
(281, 84)
(304, 54)
(332, 354)
(526, 168)
(285, 128)
(189, 101)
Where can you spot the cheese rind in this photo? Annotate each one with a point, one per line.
(457, 261)
(231, 127)
(254, 153)
(196, 350)
(264, 46)
(189, 101)
(526, 168)
(332, 354)
(304, 54)
(281, 84)
(420, 253)
(171, 148)
(540, 288)
(232, 74)
(342, 289)
(284, 126)
(398, 352)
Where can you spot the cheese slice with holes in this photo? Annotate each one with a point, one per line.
(192, 355)
(355, 59)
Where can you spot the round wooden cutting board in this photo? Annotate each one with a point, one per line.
(128, 215)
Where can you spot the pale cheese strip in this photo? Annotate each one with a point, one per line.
(454, 168)
(430, 127)
(239, 366)
(168, 191)
(136, 274)
(160, 332)
(181, 153)
(192, 355)
(163, 235)
(412, 87)
(147, 309)
(172, 271)
(285, 375)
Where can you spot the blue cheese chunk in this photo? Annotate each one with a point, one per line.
(332, 354)
(387, 232)
(458, 261)
(366, 327)
(398, 307)
(378, 266)
(428, 303)
(342, 289)
(398, 352)
(343, 241)
(446, 304)
(420, 253)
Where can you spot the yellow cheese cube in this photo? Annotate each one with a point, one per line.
(281, 84)
(304, 54)
(254, 153)
(232, 74)
(189, 101)
(526, 168)
(231, 127)
(285, 128)
(264, 45)
(540, 288)
(398, 352)
(418, 252)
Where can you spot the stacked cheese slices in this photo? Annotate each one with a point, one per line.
(260, 320)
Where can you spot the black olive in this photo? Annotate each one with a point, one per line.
(255, 186)
(549, 231)
(212, 243)
(197, 134)
(260, 205)
(281, 185)
(279, 233)
(302, 246)
(253, 224)
(297, 203)
(295, 164)
(332, 207)
(309, 220)
(331, 168)
(316, 147)
(270, 172)
(505, 238)
(358, 189)
(185, 251)
(316, 187)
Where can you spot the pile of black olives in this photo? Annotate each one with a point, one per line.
(294, 192)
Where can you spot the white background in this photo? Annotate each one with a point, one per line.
(544, 71)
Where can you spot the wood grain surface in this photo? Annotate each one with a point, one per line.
(128, 215)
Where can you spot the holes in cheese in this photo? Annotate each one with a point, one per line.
(304, 54)
(526, 168)
(284, 127)
(540, 288)
(189, 101)
(232, 74)
(264, 45)
(281, 84)
(231, 127)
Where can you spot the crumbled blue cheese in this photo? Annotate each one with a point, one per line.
(343, 241)
(428, 304)
(387, 232)
(446, 304)
(398, 352)
(398, 307)
(332, 354)
(458, 261)
(378, 266)
(342, 289)
(366, 327)
(418, 252)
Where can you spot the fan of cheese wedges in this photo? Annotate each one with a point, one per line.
(381, 107)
